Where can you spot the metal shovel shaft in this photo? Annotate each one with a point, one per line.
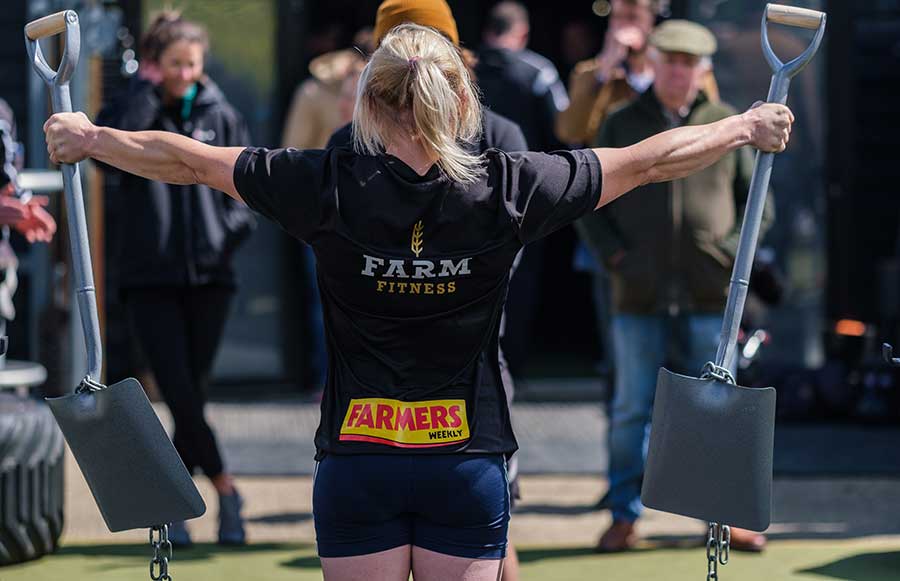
(86, 295)
(726, 356)
(743, 264)
(58, 83)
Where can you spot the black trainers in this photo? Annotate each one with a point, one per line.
(231, 523)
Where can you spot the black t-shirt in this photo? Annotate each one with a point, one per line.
(413, 272)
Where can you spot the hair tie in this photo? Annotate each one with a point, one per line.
(413, 61)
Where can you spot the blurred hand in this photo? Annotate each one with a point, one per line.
(631, 37)
(770, 126)
(616, 45)
(37, 225)
(11, 209)
(68, 137)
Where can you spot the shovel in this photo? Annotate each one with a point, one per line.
(711, 440)
(134, 473)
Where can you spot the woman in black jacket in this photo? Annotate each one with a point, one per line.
(174, 263)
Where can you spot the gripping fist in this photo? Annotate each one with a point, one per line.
(770, 126)
(69, 136)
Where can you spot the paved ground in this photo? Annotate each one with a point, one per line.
(556, 510)
(826, 528)
(275, 438)
(833, 481)
(828, 524)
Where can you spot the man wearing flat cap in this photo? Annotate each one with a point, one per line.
(670, 276)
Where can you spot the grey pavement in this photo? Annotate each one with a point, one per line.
(275, 438)
(832, 482)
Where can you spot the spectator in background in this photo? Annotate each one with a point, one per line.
(670, 282)
(175, 260)
(525, 87)
(597, 86)
(617, 75)
(319, 108)
(516, 82)
(314, 113)
(26, 215)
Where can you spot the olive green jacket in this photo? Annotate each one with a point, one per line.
(675, 241)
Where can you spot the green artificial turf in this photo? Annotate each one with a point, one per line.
(854, 560)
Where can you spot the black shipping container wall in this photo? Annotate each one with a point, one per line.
(864, 160)
(13, 60)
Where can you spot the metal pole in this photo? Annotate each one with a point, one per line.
(61, 99)
(726, 356)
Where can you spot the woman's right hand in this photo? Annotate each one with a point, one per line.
(69, 136)
(770, 126)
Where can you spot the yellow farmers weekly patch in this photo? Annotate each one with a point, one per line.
(403, 424)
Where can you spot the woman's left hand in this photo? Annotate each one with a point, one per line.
(69, 136)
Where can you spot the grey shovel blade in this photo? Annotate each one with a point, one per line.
(710, 455)
(131, 466)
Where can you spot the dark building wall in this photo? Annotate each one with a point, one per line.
(862, 170)
(14, 60)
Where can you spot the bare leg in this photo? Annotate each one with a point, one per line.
(511, 564)
(390, 565)
(430, 566)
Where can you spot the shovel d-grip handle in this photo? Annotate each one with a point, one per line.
(58, 83)
(726, 356)
(47, 26)
(793, 16)
(61, 22)
(797, 17)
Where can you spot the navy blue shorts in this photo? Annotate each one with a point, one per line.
(454, 504)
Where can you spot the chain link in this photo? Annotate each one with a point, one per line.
(162, 553)
(718, 549)
(712, 557)
(718, 541)
(713, 371)
(724, 545)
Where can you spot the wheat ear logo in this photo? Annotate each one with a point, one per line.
(416, 245)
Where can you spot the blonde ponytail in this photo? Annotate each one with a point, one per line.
(417, 84)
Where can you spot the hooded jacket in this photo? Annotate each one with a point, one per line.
(176, 235)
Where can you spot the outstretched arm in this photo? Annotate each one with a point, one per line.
(155, 155)
(680, 152)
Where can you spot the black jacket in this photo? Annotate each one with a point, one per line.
(171, 235)
(526, 88)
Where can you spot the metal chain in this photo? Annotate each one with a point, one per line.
(718, 549)
(713, 371)
(88, 385)
(162, 554)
